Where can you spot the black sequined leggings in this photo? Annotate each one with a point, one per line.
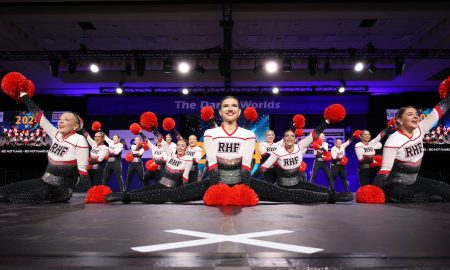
(423, 190)
(96, 176)
(266, 191)
(34, 191)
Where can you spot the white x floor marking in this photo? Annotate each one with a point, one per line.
(244, 238)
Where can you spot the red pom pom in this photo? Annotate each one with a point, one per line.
(299, 121)
(97, 194)
(317, 144)
(135, 128)
(298, 132)
(96, 126)
(250, 114)
(14, 83)
(168, 124)
(370, 194)
(217, 195)
(145, 146)
(206, 113)
(148, 121)
(334, 113)
(357, 133)
(444, 87)
(243, 195)
(151, 166)
(378, 160)
(129, 157)
(302, 167)
(327, 156)
(344, 161)
(391, 122)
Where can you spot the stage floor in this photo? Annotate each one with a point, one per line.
(75, 235)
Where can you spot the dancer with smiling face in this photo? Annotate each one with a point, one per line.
(229, 151)
(265, 149)
(67, 162)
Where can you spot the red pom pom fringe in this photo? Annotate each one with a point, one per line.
(357, 133)
(129, 157)
(217, 195)
(14, 83)
(299, 121)
(298, 132)
(135, 128)
(96, 126)
(97, 194)
(444, 87)
(243, 195)
(344, 161)
(250, 114)
(334, 113)
(148, 121)
(207, 113)
(370, 194)
(302, 167)
(168, 124)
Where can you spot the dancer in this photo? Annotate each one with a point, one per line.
(320, 148)
(67, 162)
(289, 159)
(98, 156)
(114, 163)
(159, 156)
(229, 151)
(170, 143)
(402, 158)
(195, 152)
(265, 149)
(135, 165)
(175, 173)
(338, 167)
(365, 152)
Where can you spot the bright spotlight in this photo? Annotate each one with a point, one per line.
(185, 91)
(359, 66)
(94, 68)
(119, 90)
(184, 67)
(275, 90)
(271, 66)
(342, 87)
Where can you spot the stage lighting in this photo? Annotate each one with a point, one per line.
(199, 68)
(271, 66)
(342, 86)
(94, 68)
(359, 66)
(185, 91)
(399, 66)
(119, 90)
(54, 67)
(139, 66)
(167, 66)
(312, 65)
(184, 67)
(275, 90)
(72, 66)
(287, 65)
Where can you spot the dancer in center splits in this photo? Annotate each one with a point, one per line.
(229, 151)
(289, 158)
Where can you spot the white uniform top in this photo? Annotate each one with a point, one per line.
(158, 153)
(98, 152)
(237, 145)
(134, 150)
(399, 148)
(194, 152)
(368, 150)
(176, 163)
(173, 147)
(289, 160)
(324, 145)
(339, 153)
(114, 149)
(72, 150)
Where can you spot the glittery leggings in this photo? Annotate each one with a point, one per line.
(34, 191)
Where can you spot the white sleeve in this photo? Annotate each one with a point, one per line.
(347, 143)
(82, 152)
(249, 149)
(119, 149)
(211, 151)
(262, 149)
(359, 151)
(108, 140)
(90, 140)
(166, 148)
(102, 155)
(428, 122)
(389, 154)
(187, 168)
(306, 141)
(46, 125)
(269, 162)
(198, 155)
